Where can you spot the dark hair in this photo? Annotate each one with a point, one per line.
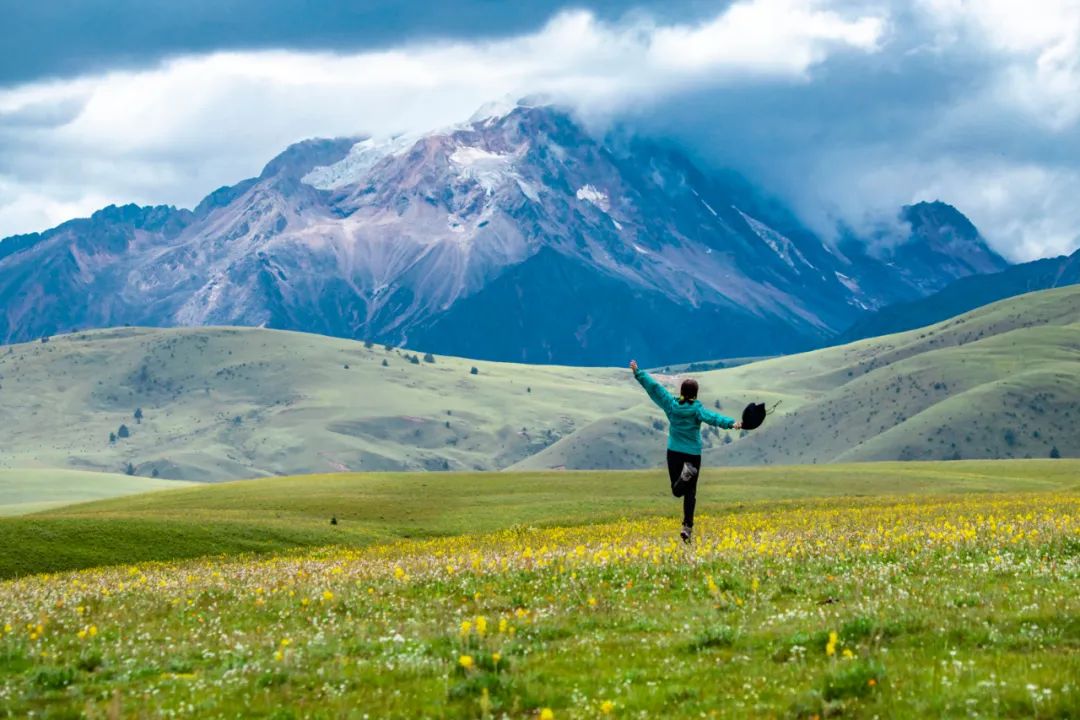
(688, 390)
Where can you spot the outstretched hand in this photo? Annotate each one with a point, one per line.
(633, 365)
(737, 425)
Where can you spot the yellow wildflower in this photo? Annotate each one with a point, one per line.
(830, 647)
(466, 661)
(607, 707)
(546, 714)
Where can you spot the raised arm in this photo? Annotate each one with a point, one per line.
(720, 421)
(656, 391)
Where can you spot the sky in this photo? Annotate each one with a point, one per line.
(843, 109)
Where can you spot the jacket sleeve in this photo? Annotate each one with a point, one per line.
(720, 421)
(656, 391)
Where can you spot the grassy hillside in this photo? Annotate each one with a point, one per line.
(1002, 381)
(27, 491)
(282, 513)
(235, 403)
(887, 606)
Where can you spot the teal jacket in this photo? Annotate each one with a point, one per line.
(684, 419)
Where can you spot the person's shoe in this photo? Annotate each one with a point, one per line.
(687, 534)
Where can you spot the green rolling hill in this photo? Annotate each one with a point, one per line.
(276, 514)
(222, 403)
(27, 491)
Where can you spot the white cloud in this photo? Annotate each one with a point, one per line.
(171, 133)
(1010, 75)
(1037, 42)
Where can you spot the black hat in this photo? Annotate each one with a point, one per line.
(753, 415)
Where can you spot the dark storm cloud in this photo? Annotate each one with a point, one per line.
(53, 38)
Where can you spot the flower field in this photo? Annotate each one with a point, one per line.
(957, 605)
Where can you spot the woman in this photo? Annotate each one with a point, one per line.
(685, 415)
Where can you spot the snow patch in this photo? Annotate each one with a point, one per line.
(488, 169)
(780, 244)
(707, 205)
(362, 156)
(616, 223)
(847, 282)
(640, 249)
(528, 190)
(590, 194)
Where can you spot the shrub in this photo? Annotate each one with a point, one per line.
(384, 363)
(123, 432)
(1055, 453)
(129, 469)
(368, 344)
(429, 358)
(474, 371)
(138, 415)
(414, 359)
(112, 437)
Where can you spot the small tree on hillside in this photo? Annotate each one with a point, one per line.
(429, 358)
(384, 363)
(1055, 453)
(474, 371)
(123, 432)
(112, 437)
(129, 469)
(368, 344)
(414, 359)
(138, 416)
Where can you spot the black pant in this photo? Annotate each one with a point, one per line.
(686, 490)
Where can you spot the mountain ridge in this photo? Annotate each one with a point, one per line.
(412, 240)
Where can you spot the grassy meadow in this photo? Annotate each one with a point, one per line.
(277, 514)
(891, 590)
(229, 403)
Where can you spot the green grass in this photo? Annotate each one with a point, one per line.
(26, 491)
(225, 403)
(962, 604)
(274, 514)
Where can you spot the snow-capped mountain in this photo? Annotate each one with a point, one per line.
(514, 236)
